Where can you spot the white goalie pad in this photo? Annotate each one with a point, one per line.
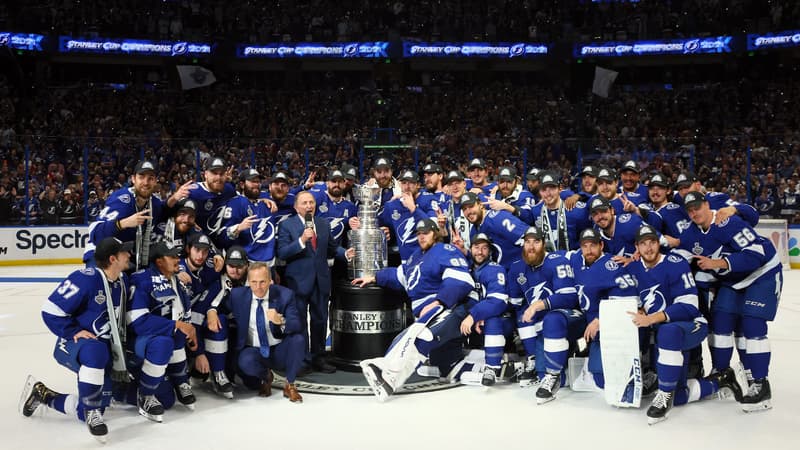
(619, 345)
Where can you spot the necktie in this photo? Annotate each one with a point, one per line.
(314, 241)
(261, 327)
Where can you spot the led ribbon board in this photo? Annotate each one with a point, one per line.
(473, 50)
(307, 50)
(21, 41)
(719, 44)
(142, 47)
(781, 39)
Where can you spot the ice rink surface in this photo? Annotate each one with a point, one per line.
(503, 417)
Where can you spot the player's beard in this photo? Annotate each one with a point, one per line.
(533, 257)
(252, 194)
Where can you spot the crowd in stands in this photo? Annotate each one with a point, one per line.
(705, 127)
(460, 20)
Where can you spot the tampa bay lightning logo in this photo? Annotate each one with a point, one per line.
(611, 265)
(691, 46)
(4, 39)
(337, 227)
(674, 258)
(516, 50)
(125, 198)
(538, 292)
(100, 325)
(653, 300)
(625, 218)
(214, 222)
(351, 50)
(406, 233)
(413, 278)
(263, 232)
(179, 48)
(583, 299)
(683, 225)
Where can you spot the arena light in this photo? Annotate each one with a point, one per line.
(67, 44)
(692, 46)
(781, 39)
(308, 50)
(413, 49)
(21, 41)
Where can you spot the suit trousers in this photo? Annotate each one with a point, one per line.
(286, 356)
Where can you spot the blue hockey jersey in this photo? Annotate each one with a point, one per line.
(212, 209)
(157, 303)
(258, 241)
(489, 298)
(577, 220)
(719, 200)
(604, 279)
(552, 281)
(403, 223)
(668, 287)
(506, 232)
(623, 243)
(79, 303)
(441, 274)
(337, 213)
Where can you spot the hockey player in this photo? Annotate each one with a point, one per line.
(251, 223)
(488, 307)
(437, 281)
(333, 206)
(130, 215)
(718, 201)
(460, 229)
(160, 321)
(669, 297)
(750, 281)
(86, 313)
(630, 174)
(502, 227)
(478, 182)
(211, 196)
(433, 176)
(177, 229)
(382, 174)
(510, 196)
(542, 282)
(597, 278)
(284, 200)
(617, 231)
(561, 226)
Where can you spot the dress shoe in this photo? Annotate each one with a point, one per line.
(290, 392)
(319, 364)
(266, 387)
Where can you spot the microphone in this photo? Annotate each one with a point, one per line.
(309, 220)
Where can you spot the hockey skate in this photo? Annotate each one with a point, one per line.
(728, 384)
(222, 385)
(490, 375)
(758, 397)
(97, 427)
(185, 395)
(548, 388)
(374, 375)
(34, 393)
(528, 375)
(660, 407)
(150, 407)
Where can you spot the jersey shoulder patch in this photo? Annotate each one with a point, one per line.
(624, 218)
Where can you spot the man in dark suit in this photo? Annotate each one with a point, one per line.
(305, 243)
(269, 333)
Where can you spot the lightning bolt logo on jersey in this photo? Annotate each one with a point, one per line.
(402, 222)
(259, 241)
(552, 282)
(337, 213)
(212, 211)
(669, 287)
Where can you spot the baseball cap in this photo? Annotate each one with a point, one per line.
(684, 179)
(163, 248)
(111, 246)
(236, 256)
(250, 174)
(589, 170)
(590, 234)
(186, 204)
(215, 164)
(599, 203)
(144, 166)
(534, 232)
(280, 176)
(533, 174)
(469, 198)
(335, 175)
(658, 180)
(630, 165)
(92, 193)
(481, 237)
(693, 198)
(381, 163)
(67, 191)
(432, 168)
(646, 232)
(507, 174)
(477, 162)
(350, 173)
(409, 175)
(426, 225)
(606, 174)
(548, 179)
(198, 240)
(453, 175)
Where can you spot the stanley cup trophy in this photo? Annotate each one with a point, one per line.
(368, 241)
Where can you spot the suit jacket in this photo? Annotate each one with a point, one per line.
(280, 298)
(306, 267)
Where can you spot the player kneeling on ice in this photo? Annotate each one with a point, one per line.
(437, 280)
(86, 312)
(669, 304)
